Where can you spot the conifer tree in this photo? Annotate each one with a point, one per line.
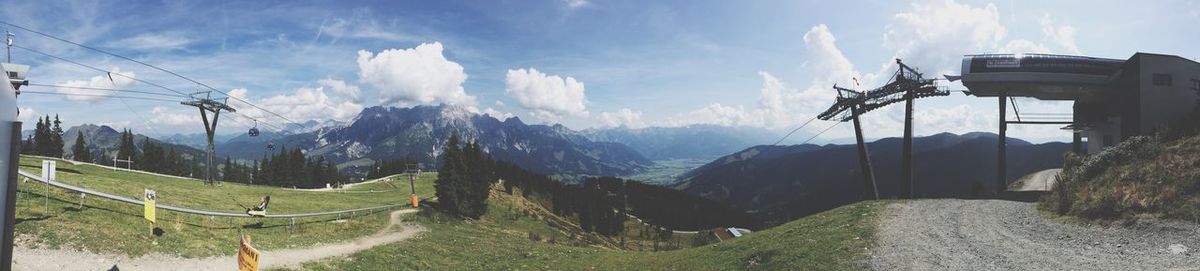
(56, 139)
(80, 151)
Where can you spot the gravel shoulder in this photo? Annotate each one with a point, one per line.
(65, 259)
(955, 234)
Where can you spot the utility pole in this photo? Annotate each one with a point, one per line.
(206, 105)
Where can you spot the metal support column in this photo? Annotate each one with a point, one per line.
(1002, 160)
(864, 159)
(10, 134)
(906, 183)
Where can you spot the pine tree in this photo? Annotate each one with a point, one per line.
(80, 151)
(41, 137)
(127, 151)
(56, 139)
(449, 180)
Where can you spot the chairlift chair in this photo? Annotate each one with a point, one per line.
(270, 145)
(254, 130)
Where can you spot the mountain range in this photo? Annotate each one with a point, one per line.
(420, 133)
(699, 141)
(782, 182)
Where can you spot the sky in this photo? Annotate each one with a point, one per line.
(582, 63)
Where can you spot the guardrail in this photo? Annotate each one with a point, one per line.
(189, 210)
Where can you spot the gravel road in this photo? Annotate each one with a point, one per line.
(954, 234)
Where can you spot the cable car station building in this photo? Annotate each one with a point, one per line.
(1114, 99)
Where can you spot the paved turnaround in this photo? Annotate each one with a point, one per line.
(953, 234)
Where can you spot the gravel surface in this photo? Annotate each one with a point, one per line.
(954, 234)
(63, 259)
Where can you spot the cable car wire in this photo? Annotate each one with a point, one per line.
(98, 95)
(794, 130)
(108, 89)
(144, 64)
(97, 69)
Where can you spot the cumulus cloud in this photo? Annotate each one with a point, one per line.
(548, 97)
(27, 115)
(935, 34)
(351, 92)
(497, 114)
(161, 115)
(305, 103)
(420, 75)
(624, 117)
(1062, 35)
(85, 90)
(780, 106)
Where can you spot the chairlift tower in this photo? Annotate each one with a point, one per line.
(906, 85)
(207, 105)
(412, 169)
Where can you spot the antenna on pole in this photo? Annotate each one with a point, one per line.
(207, 105)
(9, 37)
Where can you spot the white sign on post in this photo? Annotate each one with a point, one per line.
(48, 170)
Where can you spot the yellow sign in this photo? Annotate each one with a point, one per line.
(150, 197)
(247, 255)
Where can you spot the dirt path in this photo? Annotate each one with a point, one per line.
(1037, 181)
(956, 234)
(59, 259)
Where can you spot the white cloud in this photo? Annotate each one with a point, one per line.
(1062, 35)
(935, 34)
(303, 104)
(780, 106)
(497, 114)
(340, 87)
(152, 41)
(624, 117)
(160, 115)
(360, 26)
(1024, 46)
(715, 114)
(76, 90)
(420, 75)
(576, 3)
(28, 116)
(548, 97)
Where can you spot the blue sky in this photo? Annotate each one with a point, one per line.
(583, 63)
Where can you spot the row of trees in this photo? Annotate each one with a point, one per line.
(286, 168)
(46, 139)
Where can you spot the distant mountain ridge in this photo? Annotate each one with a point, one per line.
(685, 142)
(792, 181)
(105, 140)
(420, 133)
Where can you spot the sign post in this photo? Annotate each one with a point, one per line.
(150, 205)
(247, 255)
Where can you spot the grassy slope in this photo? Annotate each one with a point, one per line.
(1141, 177)
(833, 240)
(112, 227)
